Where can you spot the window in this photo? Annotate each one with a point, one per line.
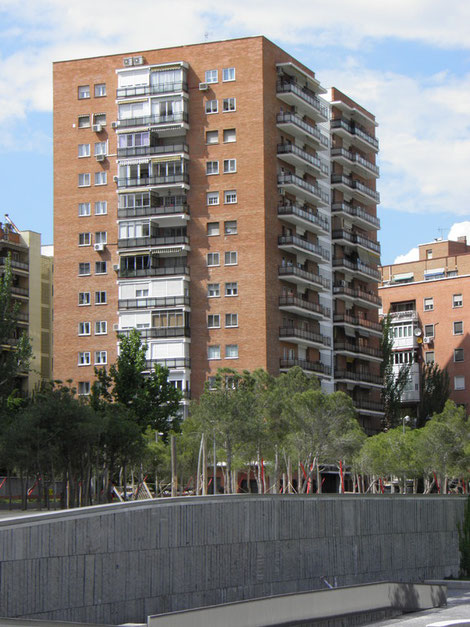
(231, 320)
(83, 388)
(429, 330)
(211, 383)
(143, 293)
(212, 137)
(230, 165)
(458, 354)
(230, 197)
(99, 118)
(212, 106)
(230, 227)
(84, 328)
(84, 239)
(83, 268)
(101, 327)
(83, 150)
(231, 289)
(212, 167)
(231, 258)
(101, 357)
(452, 273)
(84, 180)
(229, 104)
(213, 259)
(84, 209)
(212, 229)
(84, 359)
(212, 198)
(459, 383)
(101, 178)
(231, 351)
(457, 300)
(84, 298)
(429, 253)
(100, 298)
(83, 121)
(428, 304)
(211, 76)
(429, 357)
(213, 321)
(230, 135)
(100, 90)
(101, 237)
(213, 290)
(213, 352)
(228, 74)
(101, 148)
(101, 208)
(83, 92)
(100, 267)
(458, 328)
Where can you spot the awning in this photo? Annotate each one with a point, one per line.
(434, 271)
(133, 161)
(405, 276)
(165, 159)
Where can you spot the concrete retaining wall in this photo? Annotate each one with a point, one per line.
(122, 563)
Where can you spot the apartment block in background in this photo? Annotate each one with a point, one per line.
(193, 202)
(426, 300)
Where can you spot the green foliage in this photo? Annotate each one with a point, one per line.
(464, 541)
(393, 383)
(435, 390)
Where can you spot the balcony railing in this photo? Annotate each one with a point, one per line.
(410, 314)
(126, 273)
(171, 364)
(19, 291)
(20, 265)
(156, 332)
(357, 212)
(139, 212)
(359, 266)
(306, 95)
(140, 151)
(150, 90)
(291, 118)
(134, 242)
(295, 301)
(153, 303)
(354, 130)
(353, 156)
(152, 181)
(353, 184)
(154, 120)
(302, 334)
(293, 179)
(303, 274)
(362, 403)
(22, 316)
(356, 293)
(295, 240)
(361, 322)
(367, 377)
(312, 366)
(295, 210)
(357, 348)
(302, 154)
(355, 238)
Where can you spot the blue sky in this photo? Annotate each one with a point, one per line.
(407, 62)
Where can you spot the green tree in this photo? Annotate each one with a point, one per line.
(393, 382)
(435, 390)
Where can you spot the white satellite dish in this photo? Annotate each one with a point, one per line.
(417, 332)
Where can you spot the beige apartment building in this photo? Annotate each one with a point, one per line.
(428, 304)
(214, 197)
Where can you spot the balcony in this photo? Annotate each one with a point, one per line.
(358, 267)
(17, 265)
(355, 162)
(151, 90)
(295, 244)
(354, 133)
(309, 366)
(22, 317)
(402, 316)
(22, 292)
(180, 120)
(153, 242)
(363, 323)
(366, 405)
(296, 335)
(142, 151)
(297, 305)
(359, 215)
(355, 188)
(296, 275)
(300, 188)
(127, 273)
(153, 303)
(341, 236)
(301, 97)
(405, 343)
(155, 211)
(304, 218)
(159, 332)
(172, 364)
(365, 299)
(358, 350)
(373, 380)
(300, 158)
(174, 180)
(295, 126)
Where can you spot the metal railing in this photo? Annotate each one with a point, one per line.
(367, 377)
(356, 293)
(139, 151)
(125, 273)
(295, 301)
(153, 303)
(359, 266)
(355, 238)
(154, 120)
(353, 184)
(295, 150)
(156, 332)
(357, 348)
(293, 179)
(358, 212)
(361, 322)
(171, 364)
(173, 240)
(291, 118)
(295, 240)
(313, 366)
(150, 181)
(305, 94)
(355, 130)
(149, 90)
(288, 210)
(164, 210)
(353, 156)
(302, 334)
(303, 274)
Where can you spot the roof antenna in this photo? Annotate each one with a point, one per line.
(10, 221)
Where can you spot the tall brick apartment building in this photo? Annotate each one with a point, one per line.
(428, 303)
(210, 196)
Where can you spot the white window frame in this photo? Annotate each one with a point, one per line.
(84, 239)
(229, 105)
(83, 150)
(99, 118)
(212, 167)
(228, 74)
(101, 148)
(84, 121)
(101, 237)
(213, 259)
(101, 327)
(83, 92)
(84, 209)
(84, 328)
(211, 76)
(101, 207)
(83, 265)
(97, 264)
(101, 358)
(84, 179)
(98, 295)
(459, 382)
(235, 232)
(230, 166)
(230, 197)
(100, 87)
(457, 300)
(84, 388)
(229, 348)
(233, 290)
(212, 287)
(212, 106)
(84, 358)
(213, 136)
(230, 258)
(453, 327)
(213, 321)
(85, 296)
(215, 227)
(427, 359)
(230, 324)
(101, 178)
(212, 198)
(228, 137)
(428, 303)
(213, 351)
(429, 334)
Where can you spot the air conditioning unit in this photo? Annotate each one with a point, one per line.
(114, 124)
(127, 61)
(138, 60)
(427, 340)
(100, 157)
(116, 267)
(115, 178)
(97, 128)
(203, 86)
(116, 326)
(99, 248)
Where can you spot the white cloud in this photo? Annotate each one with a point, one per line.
(460, 229)
(411, 255)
